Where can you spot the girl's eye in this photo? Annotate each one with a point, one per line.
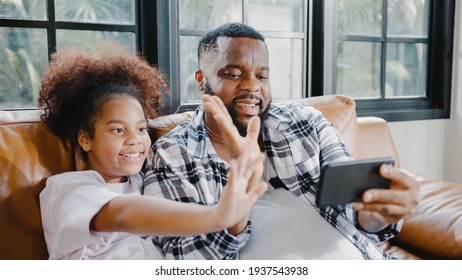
(118, 130)
(143, 129)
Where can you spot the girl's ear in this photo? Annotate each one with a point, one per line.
(84, 140)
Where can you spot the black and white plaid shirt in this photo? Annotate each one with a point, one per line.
(298, 141)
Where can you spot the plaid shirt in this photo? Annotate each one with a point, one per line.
(298, 142)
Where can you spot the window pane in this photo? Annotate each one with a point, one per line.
(208, 14)
(358, 69)
(23, 58)
(408, 17)
(188, 65)
(96, 11)
(360, 17)
(276, 15)
(286, 68)
(406, 70)
(25, 9)
(92, 40)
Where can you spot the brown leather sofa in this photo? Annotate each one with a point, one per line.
(29, 153)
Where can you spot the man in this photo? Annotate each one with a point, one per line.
(191, 163)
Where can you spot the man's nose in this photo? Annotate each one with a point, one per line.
(250, 83)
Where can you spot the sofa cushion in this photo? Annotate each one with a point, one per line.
(29, 153)
(434, 231)
(162, 125)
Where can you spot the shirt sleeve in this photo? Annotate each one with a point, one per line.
(331, 144)
(171, 173)
(333, 148)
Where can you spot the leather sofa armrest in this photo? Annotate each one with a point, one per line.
(375, 139)
(434, 230)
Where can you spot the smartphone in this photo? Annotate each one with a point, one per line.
(345, 182)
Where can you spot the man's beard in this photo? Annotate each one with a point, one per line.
(241, 127)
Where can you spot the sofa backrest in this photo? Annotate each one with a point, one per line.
(29, 153)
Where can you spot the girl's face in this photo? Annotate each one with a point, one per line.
(121, 141)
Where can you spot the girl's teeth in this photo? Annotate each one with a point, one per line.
(132, 155)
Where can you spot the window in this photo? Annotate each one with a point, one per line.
(393, 56)
(282, 22)
(30, 30)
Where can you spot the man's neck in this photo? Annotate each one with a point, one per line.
(218, 143)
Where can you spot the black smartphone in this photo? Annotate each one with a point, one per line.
(344, 182)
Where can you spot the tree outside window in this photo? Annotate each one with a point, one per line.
(30, 31)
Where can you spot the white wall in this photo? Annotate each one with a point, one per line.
(434, 147)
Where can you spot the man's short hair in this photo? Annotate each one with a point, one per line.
(208, 43)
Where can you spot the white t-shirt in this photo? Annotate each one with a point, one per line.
(286, 227)
(70, 201)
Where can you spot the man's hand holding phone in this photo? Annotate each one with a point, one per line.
(345, 182)
(379, 207)
(382, 194)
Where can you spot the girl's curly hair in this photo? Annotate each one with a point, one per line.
(77, 83)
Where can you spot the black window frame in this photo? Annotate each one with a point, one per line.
(156, 31)
(145, 21)
(437, 103)
(168, 51)
(51, 25)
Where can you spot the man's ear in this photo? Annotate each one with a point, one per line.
(84, 140)
(200, 79)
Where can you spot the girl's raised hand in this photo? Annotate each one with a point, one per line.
(239, 195)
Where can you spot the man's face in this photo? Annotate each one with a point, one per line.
(239, 75)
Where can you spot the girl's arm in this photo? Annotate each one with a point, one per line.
(158, 216)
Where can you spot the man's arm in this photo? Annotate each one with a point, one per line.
(380, 211)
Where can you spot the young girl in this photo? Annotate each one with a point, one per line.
(99, 104)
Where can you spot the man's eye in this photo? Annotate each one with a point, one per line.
(232, 76)
(143, 129)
